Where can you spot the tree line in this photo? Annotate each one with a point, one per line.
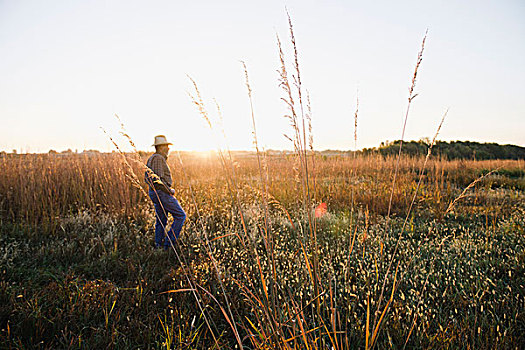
(451, 150)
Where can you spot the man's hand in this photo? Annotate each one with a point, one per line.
(172, 191)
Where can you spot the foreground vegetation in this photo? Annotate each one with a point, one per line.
(78, 268)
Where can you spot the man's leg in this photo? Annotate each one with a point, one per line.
(161, 218)
(160, 224)
(179, 216)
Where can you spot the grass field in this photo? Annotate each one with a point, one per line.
(279, 251)
(255, 266)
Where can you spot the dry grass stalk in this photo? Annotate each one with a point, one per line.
(355, 122)
(411, 96)
(464, 193)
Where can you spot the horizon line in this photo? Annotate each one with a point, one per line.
(384, 143)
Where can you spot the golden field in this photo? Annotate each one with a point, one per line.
(440, 266)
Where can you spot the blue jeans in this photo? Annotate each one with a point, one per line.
(164, 204)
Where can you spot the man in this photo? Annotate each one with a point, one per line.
(158, 178)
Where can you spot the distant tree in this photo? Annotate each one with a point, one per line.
(451, 150)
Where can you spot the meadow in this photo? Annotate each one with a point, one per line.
(255, 267)
(291, 250)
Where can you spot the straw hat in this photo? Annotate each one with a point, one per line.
(161, 140)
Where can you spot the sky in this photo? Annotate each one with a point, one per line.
(67, 67)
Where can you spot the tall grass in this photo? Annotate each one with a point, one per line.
(43, 188)
(350, 249)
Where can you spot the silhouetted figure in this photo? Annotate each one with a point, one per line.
(158, 178)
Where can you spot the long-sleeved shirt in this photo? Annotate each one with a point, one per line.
(158, 175)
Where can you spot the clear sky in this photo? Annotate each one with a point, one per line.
(66, 67)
